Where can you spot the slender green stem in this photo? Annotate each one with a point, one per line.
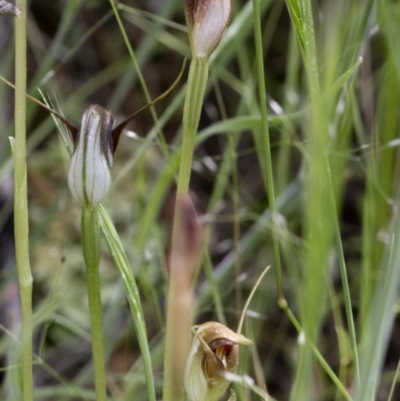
(186, 251)
(121, 261)
(91, 254)
(317, 354)
(21, 203)
(395, 380)
(317, 221)
(179, 318)
(160, 138)
(345, 281)
(319, 155)
(173, 370)
(196, 86)
(267, 146)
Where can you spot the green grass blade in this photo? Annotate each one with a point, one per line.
(120, 259)
(380, 321)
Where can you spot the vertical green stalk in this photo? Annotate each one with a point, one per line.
(91, 254)
(196, 86)
(179, 317)
(318, 221)
(21, 203)
(206, 22)
(121, 261)
(185, 256)
(267, 146)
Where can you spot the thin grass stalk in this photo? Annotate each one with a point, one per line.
(21, 204)
(318, 355)
(217, 299)
(144, 52)
(160, 138)
(395, 380)
(229, 162)
(317, 221)
(345, 282)
(68, 19)
(91, 252)
(378, 327)
(377, 206)
(291, 88)
(121, 261)
(319, 157)
(267, 147)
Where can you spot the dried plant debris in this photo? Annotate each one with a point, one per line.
(7, 8)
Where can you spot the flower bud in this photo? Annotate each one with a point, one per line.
(215, 351)
(7, 8)
(206, 21)
(89, 175)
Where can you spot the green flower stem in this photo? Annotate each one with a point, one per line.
(91, 254)
(196, 86)
(21, 204)
(177, 338)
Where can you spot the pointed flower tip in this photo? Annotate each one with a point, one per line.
(206, 21)
(89, 175)
(214, 352)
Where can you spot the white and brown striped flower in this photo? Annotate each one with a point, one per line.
(89, 175)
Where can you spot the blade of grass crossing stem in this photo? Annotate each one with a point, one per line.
(68, 18)
(395, 380)
(144, 51)
(341, 388)
(160, 138)
(120, 259)
(11, 388)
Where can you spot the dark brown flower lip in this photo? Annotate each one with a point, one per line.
(192, 9)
